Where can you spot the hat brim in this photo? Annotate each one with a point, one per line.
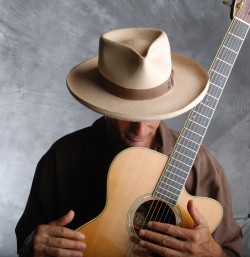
(190, 86)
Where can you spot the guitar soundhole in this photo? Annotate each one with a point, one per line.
(153, 210)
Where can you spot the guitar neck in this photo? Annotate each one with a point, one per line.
(180, 162)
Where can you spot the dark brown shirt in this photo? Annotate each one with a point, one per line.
(73, 174)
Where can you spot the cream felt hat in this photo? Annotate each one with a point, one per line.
(137, 78)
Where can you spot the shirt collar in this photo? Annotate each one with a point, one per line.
(166, 141)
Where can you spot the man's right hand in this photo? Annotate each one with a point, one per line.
(56, 240)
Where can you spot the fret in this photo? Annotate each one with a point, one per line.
(167, 188)
(189, 143)
(187, 133)
(176, 171)
(193, 126)
(227, 56)
(235, 35)
(224, 62)
(229, 49)
(240, 29)
(214, 88)
(212, 96)
(209, 101)
(192, 131)
(218, 73)
(224, 59)
(185, 160)
(203, 112)
(190, 151)
(233, 43)
(207, 113)
(165, 192)
(173, 176)
(199, 119)
(165, 198)
(182, 168)
(177, 183)
(207, 106)
(216, 85)
(197, 123)
(176, 154)
(222, 67)
(169, 192)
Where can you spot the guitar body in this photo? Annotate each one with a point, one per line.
(132, 178)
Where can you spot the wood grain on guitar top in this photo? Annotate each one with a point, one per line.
(133, 174)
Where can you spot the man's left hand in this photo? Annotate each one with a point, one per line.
(175, 241)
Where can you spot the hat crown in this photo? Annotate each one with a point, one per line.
(135, 58)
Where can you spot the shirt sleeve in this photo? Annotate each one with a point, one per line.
(40, 199)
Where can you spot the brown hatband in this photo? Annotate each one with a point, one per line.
(136, 94)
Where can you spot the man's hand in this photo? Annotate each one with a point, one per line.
(56, 240)
(177, 241)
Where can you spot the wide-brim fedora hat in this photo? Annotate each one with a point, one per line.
(135, 77)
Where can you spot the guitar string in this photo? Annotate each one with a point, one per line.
(151, 205)
(201, 106)
(179, 155)
(234, 25)
(200, 109)
(238, 30)
(227, 59)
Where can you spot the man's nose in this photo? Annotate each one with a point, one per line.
(139, 128)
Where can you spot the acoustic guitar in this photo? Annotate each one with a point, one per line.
(160, 193)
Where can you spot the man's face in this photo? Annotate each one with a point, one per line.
(128, 134)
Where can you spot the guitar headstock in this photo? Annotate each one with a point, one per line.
(242, 10)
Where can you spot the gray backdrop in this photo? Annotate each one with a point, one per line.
(41, 40)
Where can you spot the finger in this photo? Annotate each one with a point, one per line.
(169, 229)
(63, 232)
(64, 220)
(162, 251)
(163, 240)
(51, 251)
(65, 243)
(199, 220)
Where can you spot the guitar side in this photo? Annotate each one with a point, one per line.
(133, 174)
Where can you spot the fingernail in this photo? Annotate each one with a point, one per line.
(82, 236)
(142, 243)
(142, 232)
(79, 254)
(150, 224)
(82, 246)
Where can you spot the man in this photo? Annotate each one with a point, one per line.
(135, 82)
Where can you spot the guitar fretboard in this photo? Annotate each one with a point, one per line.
(187, 146)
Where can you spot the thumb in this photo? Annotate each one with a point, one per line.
(198, 219)
(64, 220)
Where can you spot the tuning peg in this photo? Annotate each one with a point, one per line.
(240, 4)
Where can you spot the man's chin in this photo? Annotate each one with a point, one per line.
(137, 144)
